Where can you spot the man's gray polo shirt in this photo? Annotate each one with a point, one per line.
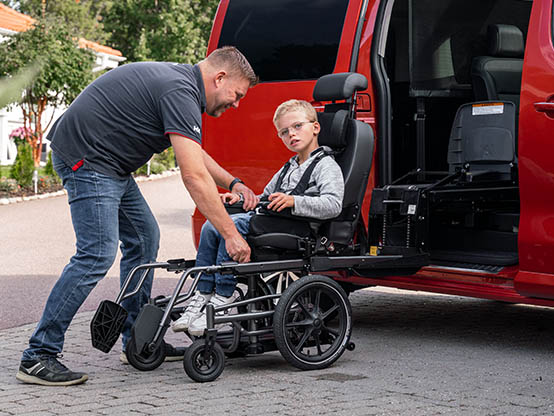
(122, 118)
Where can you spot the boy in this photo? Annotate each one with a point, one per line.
(297, 125)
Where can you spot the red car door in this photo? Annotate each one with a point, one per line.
(536, 158)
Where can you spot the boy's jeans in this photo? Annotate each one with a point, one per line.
(212, 251)
(104, 210)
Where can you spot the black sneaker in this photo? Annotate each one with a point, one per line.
(48, 371)
(171, 354)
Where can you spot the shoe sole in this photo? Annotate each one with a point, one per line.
(26, 378)
(179, 328)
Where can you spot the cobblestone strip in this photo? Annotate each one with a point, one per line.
(417, 354)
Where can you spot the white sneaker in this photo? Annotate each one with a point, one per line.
(198, 326)
(193, 311)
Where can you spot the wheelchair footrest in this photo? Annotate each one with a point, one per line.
(106, 325)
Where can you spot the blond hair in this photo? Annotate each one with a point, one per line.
(235, 62)
(295, 105)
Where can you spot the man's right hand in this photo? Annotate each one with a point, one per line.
(238, 249)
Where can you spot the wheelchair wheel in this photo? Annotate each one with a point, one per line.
(201, 367)
(144, 361)
(312, 322)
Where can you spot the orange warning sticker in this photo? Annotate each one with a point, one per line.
(487, 108)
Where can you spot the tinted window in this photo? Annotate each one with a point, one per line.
(286, 39)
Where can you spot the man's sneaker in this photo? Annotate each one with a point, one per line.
(192, 313)
(48, 371)
(198, 326)
(171, 354)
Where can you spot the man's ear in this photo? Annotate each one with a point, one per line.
(219, 78)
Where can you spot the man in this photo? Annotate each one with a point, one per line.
(115, 125)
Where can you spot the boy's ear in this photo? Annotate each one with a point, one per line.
(317, 127)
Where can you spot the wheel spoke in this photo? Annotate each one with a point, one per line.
(317, 300)
(331, 331)
(306, 311)
(329, 312)
(318, 344)
(305, 322)
(302, 341)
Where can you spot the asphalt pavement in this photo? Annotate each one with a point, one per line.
(416, 353)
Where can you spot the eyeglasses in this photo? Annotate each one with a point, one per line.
(296, 127)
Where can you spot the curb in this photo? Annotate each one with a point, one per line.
(15, 200)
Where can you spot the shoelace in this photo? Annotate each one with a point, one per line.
(53, 363)
(196, 304)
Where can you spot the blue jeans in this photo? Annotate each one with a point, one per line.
(104, 211)
(212, 251)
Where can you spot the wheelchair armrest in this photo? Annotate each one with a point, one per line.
(286, 213)
(278, 240)
(235, 208)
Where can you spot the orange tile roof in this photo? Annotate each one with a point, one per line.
(13, 20)
(18, 22)
(83, 43)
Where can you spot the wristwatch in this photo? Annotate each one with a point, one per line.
(234, 182)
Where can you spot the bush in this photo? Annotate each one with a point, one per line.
(23, 167)
(159, 163)
(49, 170)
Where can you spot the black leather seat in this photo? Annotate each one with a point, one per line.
(353, 142)
(498, 76)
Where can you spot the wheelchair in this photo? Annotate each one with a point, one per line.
(290, 303)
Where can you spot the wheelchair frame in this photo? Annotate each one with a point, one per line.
(204, 359)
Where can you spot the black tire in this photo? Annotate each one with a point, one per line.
(200, 368)
(312, 322)
(144, 361)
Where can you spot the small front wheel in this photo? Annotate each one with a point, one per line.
(202, 363)
(144, 361)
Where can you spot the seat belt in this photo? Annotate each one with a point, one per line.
(304, 181)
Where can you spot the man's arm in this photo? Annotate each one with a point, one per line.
(223, 178)
(202, 189)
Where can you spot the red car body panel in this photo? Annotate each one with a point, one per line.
(244, 142)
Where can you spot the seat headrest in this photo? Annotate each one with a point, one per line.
(339, 86)
(505, 41)
(333, 129)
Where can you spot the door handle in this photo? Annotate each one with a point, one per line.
(544, 107)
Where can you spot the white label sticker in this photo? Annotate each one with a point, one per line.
(482, 109)
(411, 209)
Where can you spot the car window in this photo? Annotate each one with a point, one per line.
(286, 39)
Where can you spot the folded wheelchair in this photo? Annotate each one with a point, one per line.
(290, 302)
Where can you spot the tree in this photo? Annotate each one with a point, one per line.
(64, 71)
(160, 30)
(82, 18)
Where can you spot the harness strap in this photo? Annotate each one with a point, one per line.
(304, 181)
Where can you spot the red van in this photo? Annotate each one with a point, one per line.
(461, 103)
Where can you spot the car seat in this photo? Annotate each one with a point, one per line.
(353, 143)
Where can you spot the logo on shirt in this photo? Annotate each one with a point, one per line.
(196, 129)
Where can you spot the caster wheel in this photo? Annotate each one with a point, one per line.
(203, 367)
(313, 322)
(144, 361)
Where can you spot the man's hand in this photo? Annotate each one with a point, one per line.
(280, 201)
(250, 198)
(229, 198)
(238, 249)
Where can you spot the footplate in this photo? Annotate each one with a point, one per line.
(107, 324)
